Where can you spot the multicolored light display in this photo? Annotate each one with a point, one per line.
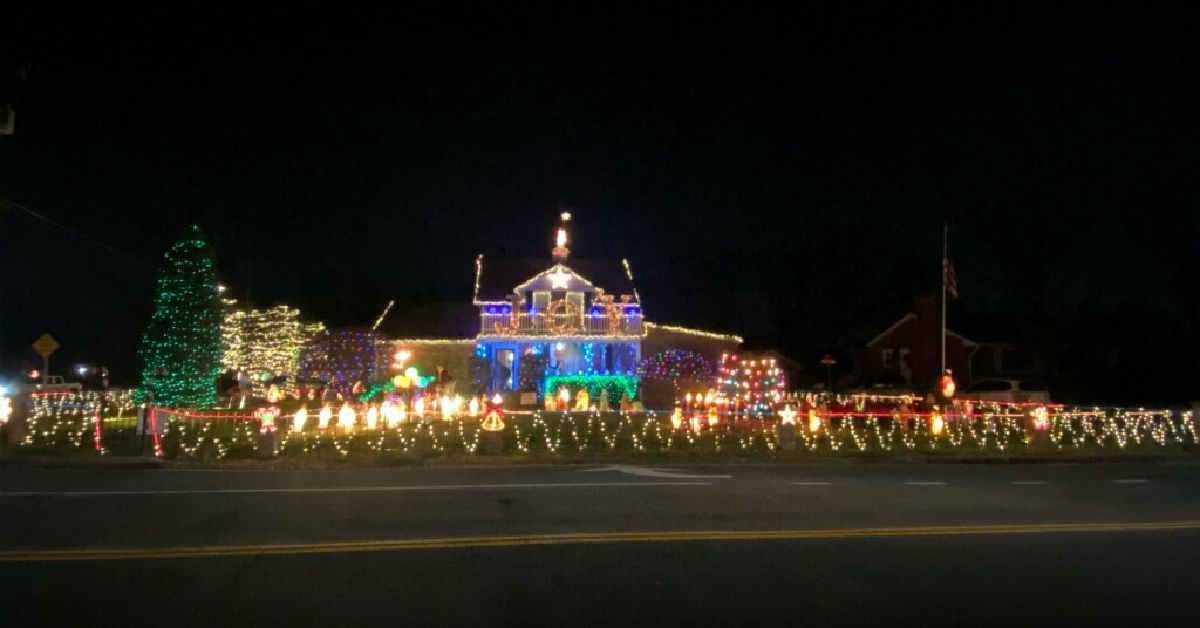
(753, 382)
(340, 358)
(681, 367)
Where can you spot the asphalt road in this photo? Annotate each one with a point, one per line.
(697, 545)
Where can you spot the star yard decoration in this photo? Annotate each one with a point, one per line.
(788, 415)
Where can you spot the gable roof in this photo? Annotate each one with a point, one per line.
(453, 319)
(547, 279)
(498, 277)
(910, 317)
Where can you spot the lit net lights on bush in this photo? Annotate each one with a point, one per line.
(340, 357)
(753, 382)
(264, 341)
(182, 346)
(613, 386)
(681, 367)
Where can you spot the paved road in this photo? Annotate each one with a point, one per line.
(687, 546)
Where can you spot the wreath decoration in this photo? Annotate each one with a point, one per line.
(555, 317)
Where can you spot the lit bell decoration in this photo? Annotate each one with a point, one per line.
(299, 420)
(936, 424)
(324, 416)
(492, 422)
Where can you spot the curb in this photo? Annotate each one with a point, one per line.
(40, 462)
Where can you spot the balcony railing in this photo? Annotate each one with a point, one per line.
(542, 324)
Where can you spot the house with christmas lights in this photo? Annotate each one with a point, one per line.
(544, 325)
(907, 354)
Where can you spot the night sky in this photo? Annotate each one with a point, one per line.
(780, 176)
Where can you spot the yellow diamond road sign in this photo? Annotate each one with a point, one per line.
(45, 345)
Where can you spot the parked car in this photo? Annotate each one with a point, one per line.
(1010, 390)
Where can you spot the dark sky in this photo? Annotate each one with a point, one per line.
(780, 176)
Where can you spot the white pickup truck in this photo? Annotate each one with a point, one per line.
(57, 383)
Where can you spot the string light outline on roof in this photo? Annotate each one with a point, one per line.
(695, 332)
(478, 273)
(429, 341)
(629, 273)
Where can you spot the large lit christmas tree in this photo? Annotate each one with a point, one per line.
(182, 346)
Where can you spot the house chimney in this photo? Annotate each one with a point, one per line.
(926, 309)
(560, 251)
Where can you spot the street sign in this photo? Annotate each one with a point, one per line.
(45, 345)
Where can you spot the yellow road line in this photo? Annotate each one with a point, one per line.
(577, 538)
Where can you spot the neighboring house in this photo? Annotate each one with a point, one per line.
(909, 352)
(1005, 360)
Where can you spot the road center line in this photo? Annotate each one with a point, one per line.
(811, 483)
(1131, 481)
(345, 489)
(1030, 483)
(925, 483)
(212, 551)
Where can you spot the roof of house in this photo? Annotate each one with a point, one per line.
(432, 320)
(497, 277)
(911, 317)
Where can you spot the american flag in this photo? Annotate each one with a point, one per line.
(949, 279)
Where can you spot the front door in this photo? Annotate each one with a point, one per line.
(502, 378)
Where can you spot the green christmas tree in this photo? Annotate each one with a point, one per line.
(182, 346)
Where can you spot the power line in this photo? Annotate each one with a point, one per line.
(6, 204)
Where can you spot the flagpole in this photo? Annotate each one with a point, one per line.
(945, 235)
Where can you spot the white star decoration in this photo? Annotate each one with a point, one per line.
(559, 279)
(788, 415)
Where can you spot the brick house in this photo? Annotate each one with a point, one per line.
(909, 352)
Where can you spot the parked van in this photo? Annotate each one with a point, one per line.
(1010, 390)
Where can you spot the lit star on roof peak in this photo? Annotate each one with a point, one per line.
(559, 278)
